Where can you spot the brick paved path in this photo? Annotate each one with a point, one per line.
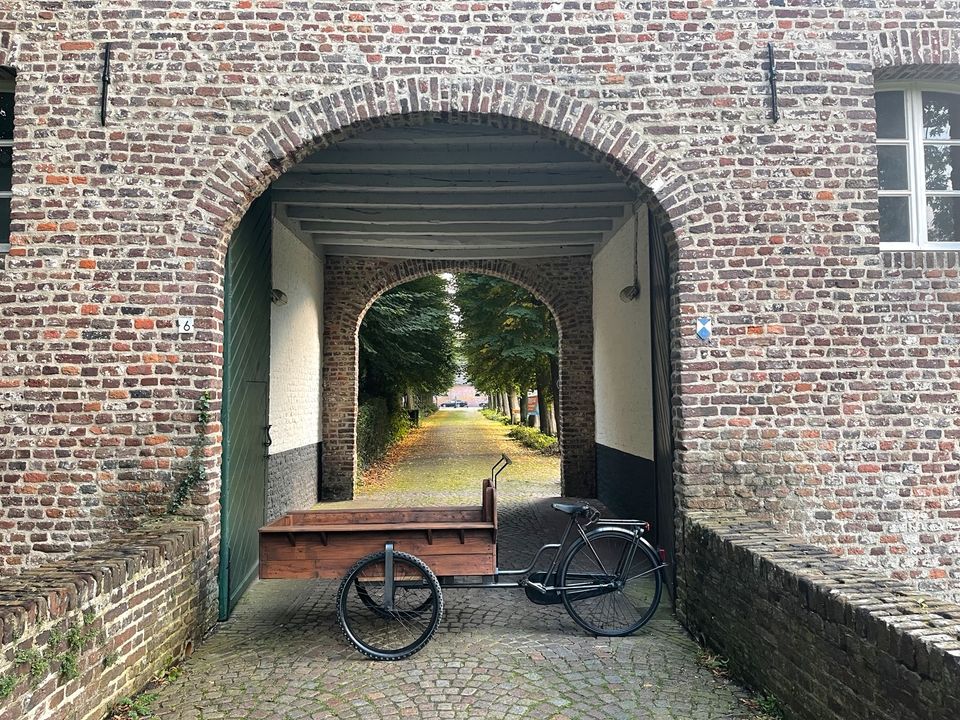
(495, 655)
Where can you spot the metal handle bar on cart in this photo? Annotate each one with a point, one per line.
(498, 467)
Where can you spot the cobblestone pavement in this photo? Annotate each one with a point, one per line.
(495, 655)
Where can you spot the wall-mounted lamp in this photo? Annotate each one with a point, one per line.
(278, 297)
(632, 292)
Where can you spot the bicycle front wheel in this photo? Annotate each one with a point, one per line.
(611, 582)
(389, 628)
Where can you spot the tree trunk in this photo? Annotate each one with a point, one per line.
(552, 415)
(522, 401)
(505, 400)
(514, 405)
(542, 409)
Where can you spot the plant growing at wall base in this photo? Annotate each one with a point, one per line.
(197, 472)
(7, 685)
(133, 708)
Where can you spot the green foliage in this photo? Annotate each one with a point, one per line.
(508, 337)
(8, 684)
(407, 341)
(492, 414)
(197, 473)
(134, 708)
(378, 428)
(37, 663)
(535, 440)
(770, 706)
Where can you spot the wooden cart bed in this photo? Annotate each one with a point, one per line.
(458, 540)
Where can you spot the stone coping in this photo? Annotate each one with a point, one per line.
(920, 633)
(50, 591)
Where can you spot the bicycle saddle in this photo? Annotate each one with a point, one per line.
(571, 508)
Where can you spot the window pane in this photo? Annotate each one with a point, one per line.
(943, 214)
(941, 116)
(942, 166)
(892, 166)
(895, 219)
(4, 220)
(6, 116)
(6, 168)
(890, 118)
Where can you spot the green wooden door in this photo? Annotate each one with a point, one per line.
(246, 393)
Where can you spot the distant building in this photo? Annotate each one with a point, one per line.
(462, 392)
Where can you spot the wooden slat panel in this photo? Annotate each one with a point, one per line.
(441, 565)
(378, 527)
(247, 357)
(466, 513)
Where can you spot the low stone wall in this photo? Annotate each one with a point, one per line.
(81, 633)
(830, 640)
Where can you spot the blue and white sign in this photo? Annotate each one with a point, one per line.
(704, 328)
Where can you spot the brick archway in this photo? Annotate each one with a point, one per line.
(268, 151)
(354, 283)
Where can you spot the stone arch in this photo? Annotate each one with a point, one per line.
(267, 152)
(563, 284)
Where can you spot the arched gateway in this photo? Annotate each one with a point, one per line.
(352, 283)
(563, 284)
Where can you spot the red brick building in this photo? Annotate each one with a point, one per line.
(254, 174)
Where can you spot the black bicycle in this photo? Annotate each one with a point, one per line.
(390, 601)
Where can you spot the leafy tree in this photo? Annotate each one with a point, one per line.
(407, 342)
(508, 338)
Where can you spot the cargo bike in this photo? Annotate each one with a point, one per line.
(395, 562)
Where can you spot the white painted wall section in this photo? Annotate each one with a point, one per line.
(622, 356)
(295, 343)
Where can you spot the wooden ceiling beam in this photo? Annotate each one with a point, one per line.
(558, 227)
(394, 240)
(416, 199)
(453, 215)
(460, 253)
(448, 181)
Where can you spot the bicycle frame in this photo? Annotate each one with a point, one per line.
(494, 581)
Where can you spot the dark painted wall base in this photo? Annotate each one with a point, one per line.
(627, 485)
(293, 477)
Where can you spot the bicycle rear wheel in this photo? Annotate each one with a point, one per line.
(612, 582)
(378, 628)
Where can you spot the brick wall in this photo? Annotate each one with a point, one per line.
(812, 407)
(353, 284)
(293, 480)
(831, 641)
(131, 607)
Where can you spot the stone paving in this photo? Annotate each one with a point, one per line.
(495, 655)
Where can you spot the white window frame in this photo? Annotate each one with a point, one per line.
(7, 87)
(917, 191)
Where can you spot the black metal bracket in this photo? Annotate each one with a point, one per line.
(772, 79)
(104, 85)
(388, 598)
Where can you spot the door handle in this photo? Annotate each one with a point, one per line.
(269, 441)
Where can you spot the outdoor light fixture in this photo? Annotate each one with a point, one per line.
(278, 297)
(632, 292)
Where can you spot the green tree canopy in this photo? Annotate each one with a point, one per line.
(507, 336)
(407, 341)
